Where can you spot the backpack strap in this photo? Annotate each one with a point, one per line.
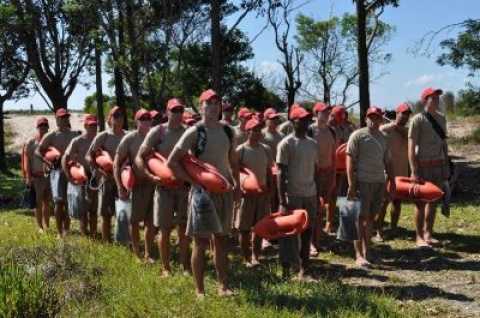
(334, 133)
(160, 133)
(310, 131)
(436, 126)
(202, 137)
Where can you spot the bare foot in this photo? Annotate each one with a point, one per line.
(379, 238)
(423, 244)
(248, 264)
(165, 273)
(225, 292)
(431, 240)
(313, 251)
(362, 263)
(255, 262)
(41, 231)
(200, 296)
(149, 260)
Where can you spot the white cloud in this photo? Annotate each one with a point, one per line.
(267, 68)
(422, 80)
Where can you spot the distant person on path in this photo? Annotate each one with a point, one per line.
(60, 139)
(368, 158)
(108, 141)
(397, 137)
(219, 151)
(170, 204)
(37, 176)
(428, 159)
(227, 114)
(77, 151)
(297, 160)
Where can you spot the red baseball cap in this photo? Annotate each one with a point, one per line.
(207, 95)
(227, 107)
(374, 110)
(114, 110)
(62, 112)
(90, 120)
(298, 113)
(403, 108)
(429, 92)
(270, 113)
(340, 114)
(41, 120)
(244, 112)
(189, 118)
(252, 123)
(154, 113)
(320, 107)
(174, 103)
(142, 113)
(295, 106)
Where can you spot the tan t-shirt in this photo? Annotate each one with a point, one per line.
(286, 128)
(35, 164)
(216, 147)
(108, 141)
(258, 160)
(300, 156)
(78, 150)
(326, 145)
(162, 141)
(129, 146)
(272, 140)
(369, 152)
(59, 140)
(429, 144)
(397, 138)
(240, 136)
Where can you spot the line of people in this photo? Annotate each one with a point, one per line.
(295, 163)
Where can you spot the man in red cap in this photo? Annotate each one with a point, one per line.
(227, 114)
(108, 141)
(368, 157)
(297, 160)
(142, 192)
(156, 117)
(59, 139)
(428, 159)
(243, 116)
(36, 176)
(170, 202)
(272, 137)
(256, 157)
(218, 149)
(396, 134)
(325, 138)
(77, 151)
(286, 128)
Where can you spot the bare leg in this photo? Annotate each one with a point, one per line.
(358, 244)
(305, 239)
(418, 221)
(367, 238)
(84, 225)
(331, 210)
(46, 215)
(430, 213)
(135, 235)
(256, 248)
(198, 265)
(164, 249)
(106, 229)
(149, 237)
(39, 208)
(380, 220)
(184, 242)
(244, 240)
(395, 213)
(221, 263)
(92, 220)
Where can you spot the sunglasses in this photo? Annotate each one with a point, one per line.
(145, 119)
(177, 110)
(42, 125)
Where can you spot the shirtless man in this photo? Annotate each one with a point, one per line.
(170, 204)
(36, 176)
(219, 151)
(60, 139)
(77, 151)
(396, 134)
(256, 157)
(142, 192)
(297, 161)
(108, 141)
(428, 159)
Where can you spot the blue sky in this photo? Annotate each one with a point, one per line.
(407, 74)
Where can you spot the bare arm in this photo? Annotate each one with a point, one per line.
(412, 160)
(118, 162)
(282, 186)
(174, 163)
(140, 161)
(351, 193)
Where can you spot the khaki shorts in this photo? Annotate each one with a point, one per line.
(371, 195)
(223, 203)
(170, 208)
(106, 198)
(62, 188)
(142, 202)
(252, 209)
(325, 183)
(42, 190)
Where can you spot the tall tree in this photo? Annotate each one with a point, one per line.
(364, 8)
(58, 46)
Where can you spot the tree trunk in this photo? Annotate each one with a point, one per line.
(362, 51)
(3, 158)
(117, 71)
(216, 45)
(134, 78)
(98, 84)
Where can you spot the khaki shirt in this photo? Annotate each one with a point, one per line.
(164, 141)
(35, 164)
(272, 140)
(300, 156)
(286, 128)
(397, 138)
(240, 136)
(108, 141)
(326, 145)
(370, 152)
(78, 150)
(216, 149)
(429, 144)
(129, 146)
(258, 160)
(59, 140)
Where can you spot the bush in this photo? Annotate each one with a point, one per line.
(23, 294)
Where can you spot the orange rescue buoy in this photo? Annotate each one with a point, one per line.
(425, 191)
(205, 174)
(77, 172)
(128, 179)
(105, 162)
(52, 154)
(276, 225)
(157, 164)
(24, 161)
(341, 158)
(249, 182)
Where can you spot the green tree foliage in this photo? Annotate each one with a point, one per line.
(468, 102)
